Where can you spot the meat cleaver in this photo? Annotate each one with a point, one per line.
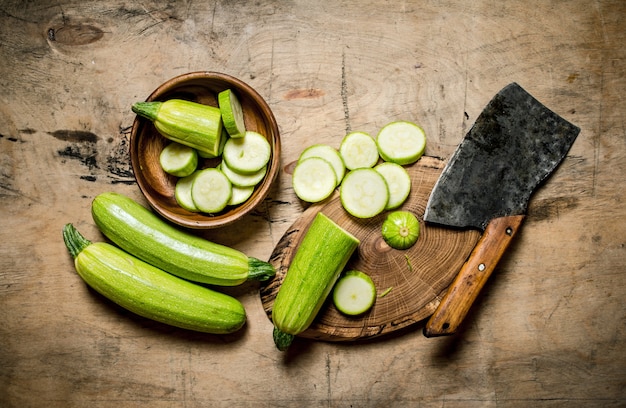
(514, 145)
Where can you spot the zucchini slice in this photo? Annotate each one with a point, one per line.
(314, 179)
(364, 193)
(401, 142)
(240, 194)
(232, 114)
(358, 150)
(247, 154)
(178, 160)
(328, 153)
(354, 293)
(398, 182)
(240, 179)
(182, 192)
(211, 190)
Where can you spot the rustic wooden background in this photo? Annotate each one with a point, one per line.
(549, 329)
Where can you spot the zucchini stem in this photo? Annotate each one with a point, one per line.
(148, 110)
(282, 340)
(74, 241)
(260, 270)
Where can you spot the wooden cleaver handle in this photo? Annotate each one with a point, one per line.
(472, 276)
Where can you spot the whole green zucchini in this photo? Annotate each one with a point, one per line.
(189, 123)
(316, 266)
(145, 235)
(150, 292)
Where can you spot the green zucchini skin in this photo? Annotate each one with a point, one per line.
(190, 123)
(143, 234)
(316, 266)
(150, 292)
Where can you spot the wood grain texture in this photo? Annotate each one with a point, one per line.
(549, 328)
(415, 277)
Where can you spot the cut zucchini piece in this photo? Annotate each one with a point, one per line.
(232, 114)
(401, 142)
(178, 160)
(247, 154)
(220, 148)
(400, 229)
(364, 193)
(328, 153)
(190, 123)
(354, 293)
(398, 183)
(182, 193)
(242, 180)
(240, 195)
(318, 261)
(211, 190)
(313, 179)
(358, 150)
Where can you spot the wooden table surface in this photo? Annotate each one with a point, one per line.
(550, 327)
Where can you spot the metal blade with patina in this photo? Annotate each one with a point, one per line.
(515, 144)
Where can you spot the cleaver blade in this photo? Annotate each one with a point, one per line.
(514, 145)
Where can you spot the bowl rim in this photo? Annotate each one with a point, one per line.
(259, 195)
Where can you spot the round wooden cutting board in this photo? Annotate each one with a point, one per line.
(416, 278)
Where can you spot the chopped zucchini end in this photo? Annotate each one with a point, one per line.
(400, 229)
(260, 270)
(282, 340)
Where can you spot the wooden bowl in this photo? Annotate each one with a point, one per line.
(146, 144)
